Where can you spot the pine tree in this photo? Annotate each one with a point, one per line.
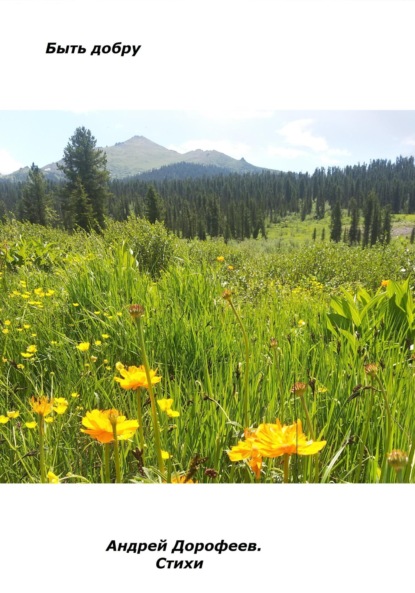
(412, 238)
(85, 165)
(336, 222)
(33, 201)
(314, 234)
(323, 234)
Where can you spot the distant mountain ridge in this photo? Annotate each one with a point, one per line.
(141, 155)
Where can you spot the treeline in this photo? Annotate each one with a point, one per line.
(235, 206)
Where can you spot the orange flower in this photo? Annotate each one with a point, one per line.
(101, 425)
(134, 377)
(273, 440)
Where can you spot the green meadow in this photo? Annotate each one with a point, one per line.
(245, 339)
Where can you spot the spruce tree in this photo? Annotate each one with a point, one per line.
(354, 224)
(33, 200)
(85, 165)
(154, 206)
(336, 222)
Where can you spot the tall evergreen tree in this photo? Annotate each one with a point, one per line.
(354, 224)
(33, 200)
(336, 222)
(386, 225)
(85, 165)
(154, 206)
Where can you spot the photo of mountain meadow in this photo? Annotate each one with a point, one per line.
(200, 298)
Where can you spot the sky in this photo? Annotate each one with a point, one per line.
(299, 141)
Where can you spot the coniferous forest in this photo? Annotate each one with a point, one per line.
(197, 201)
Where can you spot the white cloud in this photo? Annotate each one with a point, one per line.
(237, 150)
(284, 152)
(237, 115)
(8, 164)
(298, 133)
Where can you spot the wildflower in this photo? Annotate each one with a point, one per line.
(30, 424)
(230, 268)
(136, 311)
(49, 419)
(74, 394)
(52, 478)
(274, 440)
(181, 480)
(165, 455)
(227, 295)
(104, 336)
(398, 459)
(99, 425)
(7, 322)
(4, 419)
(371, 369)
(134, 377)
(83, 346)
(299, 389)
(97, 343)
(301, 323)
(60, 405)
(32, 349)
(75, 304)
(220, 258)
(13, 414)
(165, 406)
(94, 358)
(41, 405)
(20, 366)
(26, 354)
(5, 330)
(385, 283)
(247, 450)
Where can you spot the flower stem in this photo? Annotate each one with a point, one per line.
(246, 376)
(156, 427)
(364, 439)
(107, 475)
(140, 424)
(286, 467)
(117, 461)
(41, 425)
(388, 444)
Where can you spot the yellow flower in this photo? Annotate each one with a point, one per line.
(97, 342)
(4, 419)
(181, 480)
(60, 405)
(230, 268)
(32, 349)
(83, 346)
(74, 394)
(52, 478)
(30, 424)
(385, 283)
(49, 419)
(134, 377)
(165, 406)
(104, 336)
(26, 354)
(220, 258)
(5, 330)
(247, 449)
(7, 322)
(41, 405)
(13, 414)
(99, 425)
(274, 440)
(20, 366)
(165, 455)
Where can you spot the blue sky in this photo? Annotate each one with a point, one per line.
(284, 140)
